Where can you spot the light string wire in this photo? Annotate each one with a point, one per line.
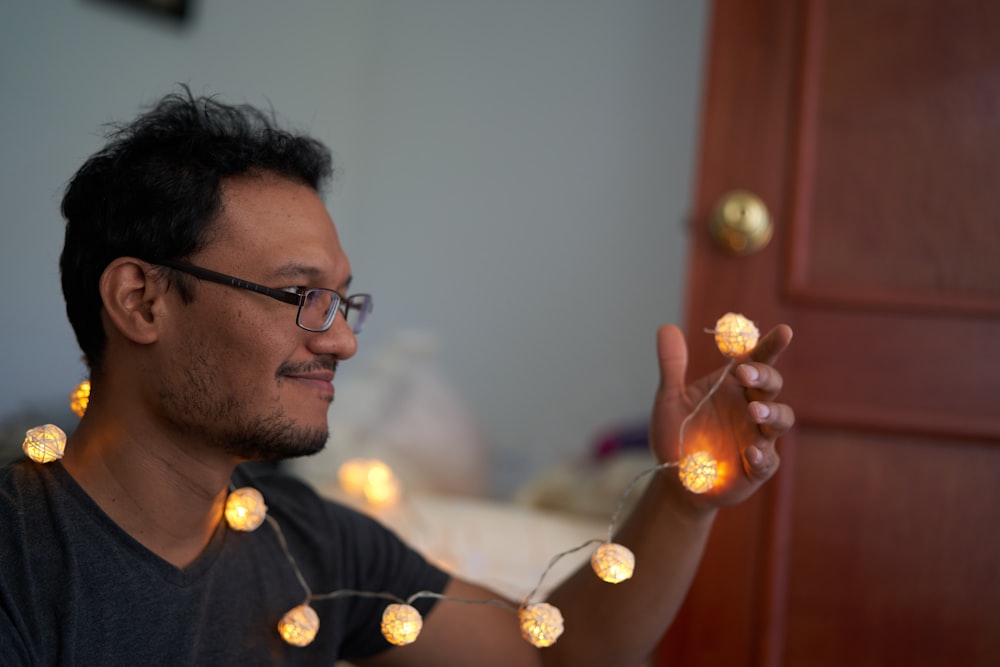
(38, 447)
(345, 592)
(635, 480)
(628, 489)
(552, 563)
(704, 399)
(555, 559)
(288, 555)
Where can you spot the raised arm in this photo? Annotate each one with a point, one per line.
(620, 624)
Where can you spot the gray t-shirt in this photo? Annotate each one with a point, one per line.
(75, 589)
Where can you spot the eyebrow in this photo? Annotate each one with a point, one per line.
(295, 270)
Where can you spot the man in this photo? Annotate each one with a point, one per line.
(207, 288)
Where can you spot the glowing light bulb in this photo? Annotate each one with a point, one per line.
(352, 474)
(299, 626)
(698, 472)
(44, 444)
(245, 509)
(735, 335)
(541, 624)
(371, 479)
(613, 563)
(381, 485)
(80, 398)
(401, 624)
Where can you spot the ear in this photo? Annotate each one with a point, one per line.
(133, 293)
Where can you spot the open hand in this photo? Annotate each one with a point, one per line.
(738, 425)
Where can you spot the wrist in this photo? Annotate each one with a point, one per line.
(671, 493)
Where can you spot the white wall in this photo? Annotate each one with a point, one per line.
(514, 177)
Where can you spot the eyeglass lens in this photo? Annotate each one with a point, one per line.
(319, 307)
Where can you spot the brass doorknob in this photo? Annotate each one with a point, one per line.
(740, 223)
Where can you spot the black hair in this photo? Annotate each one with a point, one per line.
(154, 191)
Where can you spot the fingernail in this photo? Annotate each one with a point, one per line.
(761, 411)
(750, 374)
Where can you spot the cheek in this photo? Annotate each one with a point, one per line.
(255, 355)
(250, 337)
(243, 349)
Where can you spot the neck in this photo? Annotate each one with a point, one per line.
(168, 494)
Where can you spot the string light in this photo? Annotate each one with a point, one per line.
(44, 444)
(80, 398)
(352, 475)
(613, 563)
(299, 626)
(735, 335)
(401, 624)
(698, 472)
(382, 488)
(245, 509)
(370, 479)
(541, 623)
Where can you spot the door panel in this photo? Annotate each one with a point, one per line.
(897, 104)
(903, 586)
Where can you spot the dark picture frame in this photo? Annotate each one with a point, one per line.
(179, 10)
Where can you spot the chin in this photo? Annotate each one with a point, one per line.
(302, 453)
(277, 439)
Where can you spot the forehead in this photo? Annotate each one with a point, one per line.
(270, 226)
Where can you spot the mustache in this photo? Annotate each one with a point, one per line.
(321, 364)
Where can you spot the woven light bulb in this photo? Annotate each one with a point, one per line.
(735, 335)
(80, 398)
(299, 626)
(541, 624)
(613, 563)
(698, 472)
(44, 444)
(245, 509)
(401, 624)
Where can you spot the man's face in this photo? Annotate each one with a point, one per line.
(238, 372)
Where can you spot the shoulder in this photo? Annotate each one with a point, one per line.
(30, 554)
(22, 483)
(15, 484)
(15, 472)
(35, 499)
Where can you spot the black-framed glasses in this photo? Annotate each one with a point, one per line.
(317, 306)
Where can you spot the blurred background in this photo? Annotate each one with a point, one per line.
(512, 186)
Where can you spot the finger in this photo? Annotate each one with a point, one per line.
(762, 382)
(672, 353)
(773, 419)
(760, 462)
(770, 347)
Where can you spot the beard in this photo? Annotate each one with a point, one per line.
(269, 438)
(200, 409)
(273, 438)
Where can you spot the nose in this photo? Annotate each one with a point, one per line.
(338, 341)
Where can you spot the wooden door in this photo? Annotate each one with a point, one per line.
(871, 129)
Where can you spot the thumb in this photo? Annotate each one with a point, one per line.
(672, 352)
